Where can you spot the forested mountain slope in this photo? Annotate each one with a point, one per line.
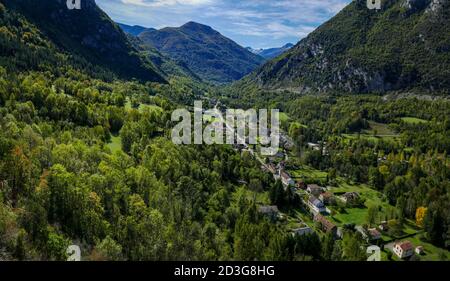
(403, 46)
(88, 33)
(205, 51)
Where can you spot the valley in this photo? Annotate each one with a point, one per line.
(87, 157)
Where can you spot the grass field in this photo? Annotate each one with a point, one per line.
(309, 173)
(115, 144)
(413, 120)
(432, 253)
(379, 129)
(376, 132)
(357, 216)
(143, 107)
(150, 107)
(372, 196)
(298, 124)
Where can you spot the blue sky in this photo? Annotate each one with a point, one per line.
(254, 23)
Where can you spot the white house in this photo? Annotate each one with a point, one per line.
(403, 249)
(419, 250)
(314, 146)
(316, 205)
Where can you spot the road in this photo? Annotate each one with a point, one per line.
(239, 138)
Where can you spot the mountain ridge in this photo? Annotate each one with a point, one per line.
(212, 56)
(89, 33)
(134, 30)
(399, 48)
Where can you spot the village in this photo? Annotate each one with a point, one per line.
(335, 208)
(329, 209)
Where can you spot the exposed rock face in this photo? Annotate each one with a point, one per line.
(436, 5)
(416, 4)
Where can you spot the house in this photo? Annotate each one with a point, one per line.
(304, 230)
(327, 197)
(286, 179)
(374, 234)
(286, 141)
(326, 225)
(362, 231)
(419, 250)
(280, 154)
(314, 189)
(270, 211)
(403, 249)
(314, 146)
(316, 205)
(350, 197)
(384, 226)
(301, 185)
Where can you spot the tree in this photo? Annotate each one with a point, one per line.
(328, 246)
(107, 250)
(376, 178)
(353, 248)
(276, 194)
(420, 216)
(20, 250)
(434, 227)
(372, 214)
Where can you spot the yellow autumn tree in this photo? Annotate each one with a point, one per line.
(420, 215)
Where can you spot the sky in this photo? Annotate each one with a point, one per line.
(251, 23)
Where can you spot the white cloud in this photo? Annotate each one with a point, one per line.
(253, 23)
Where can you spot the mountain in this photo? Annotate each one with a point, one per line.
(133, 30)
(205, 51)
(164, 63)
(272, 52)
(401, 47)
(87, 33)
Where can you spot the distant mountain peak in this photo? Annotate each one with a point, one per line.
(212, 56)
(197, 27)
(272, 52)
